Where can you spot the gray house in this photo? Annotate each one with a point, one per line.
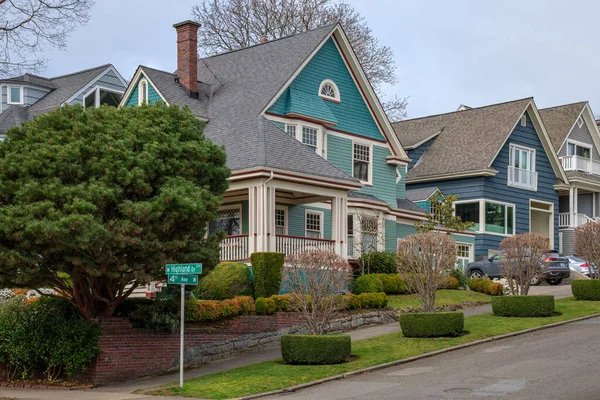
(576, 139)
(25, 96)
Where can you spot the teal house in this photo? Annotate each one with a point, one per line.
(315, 162)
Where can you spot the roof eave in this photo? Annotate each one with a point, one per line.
(452, 175)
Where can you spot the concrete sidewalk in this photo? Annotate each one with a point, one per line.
(123, 391)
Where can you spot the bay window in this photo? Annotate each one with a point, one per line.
(309, 138)
(488, 216)
(468, 212)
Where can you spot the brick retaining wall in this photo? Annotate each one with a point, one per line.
(128, 353)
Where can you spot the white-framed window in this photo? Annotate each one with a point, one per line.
(229, 220)
(290, 129)
(101, 95)
(329, 90)
(350, 235)
(361, 166)
(464, 251)
(313, 221)
(579, 149)
(523, 120)
(521, 168)
(15, 94)
(489, 216)
(369, 231)
(310, 138)
(579, 122)
(280, 220)
(142, 92)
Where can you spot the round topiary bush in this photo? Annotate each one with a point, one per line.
(392, 284)
(523, 306)
(315, 349)
(369, 283)
(379, 262)
(226, 281)
(586, 289)
(423, 325)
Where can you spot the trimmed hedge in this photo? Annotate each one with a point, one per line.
(523, 306)
(212, 310)
(265, 306)
(226, 281)
(315, 350)
(368, 283)
(366, 300)
(586, 289)
(267, 268)
(487, 286)
(423, 325)
(379, 262)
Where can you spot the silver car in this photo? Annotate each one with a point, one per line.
(580, 265)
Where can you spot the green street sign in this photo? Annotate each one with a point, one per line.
(184, 269)
(183, 279)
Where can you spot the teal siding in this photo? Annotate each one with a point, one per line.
(403, 230)
(401, 185)
(463, 238)
(352, 114)
(296, 226)
(425, 205)
(339, 153)
(280, 125)
(390, 235)
(153, 95)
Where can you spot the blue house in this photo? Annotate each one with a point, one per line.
(498, 159)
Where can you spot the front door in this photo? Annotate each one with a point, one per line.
(542, 221)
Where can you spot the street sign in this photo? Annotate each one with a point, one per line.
(183, 279)
(183, 269)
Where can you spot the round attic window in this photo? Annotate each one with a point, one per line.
(328, 90)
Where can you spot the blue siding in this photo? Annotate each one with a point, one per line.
(416, 154)
(108, 80)
(496, 188)
(296, 225)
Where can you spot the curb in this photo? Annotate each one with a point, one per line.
(295, 388)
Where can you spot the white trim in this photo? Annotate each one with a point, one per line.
(90, 83)
(96, 91)
(513, 147)
(590, 122)
(579, 122)
(453, 175)
(482, 202)
(336, 96)
(285, 219)
(9, 100)
(321, 134)
(428, 138)
(550, 213)
(523, 120)
(577, 143)
(141, 92)
(133, 84)
(321, 222)
(370, 172)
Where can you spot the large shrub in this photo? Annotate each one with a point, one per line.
(378, 262)
(315, 349)
(432, 324)
(368, 283)
(393, 284)
(523, 306)
(226, 281)
(586, 289)
(46, 336)
(267, 268)
(265, 306)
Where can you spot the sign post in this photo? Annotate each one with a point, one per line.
(182, 274)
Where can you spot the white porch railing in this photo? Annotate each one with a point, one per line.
(234, 248)
(564, 220)
(522, 178)
(584, 164)
(297, 244)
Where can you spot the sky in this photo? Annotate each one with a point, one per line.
(472, 52)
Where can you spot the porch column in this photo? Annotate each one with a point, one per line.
(575, 206)
(252, 219)
(339, 219)
(270, 218)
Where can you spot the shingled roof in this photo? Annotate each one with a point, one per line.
(243, 82)
(559, 120)
(468, 140)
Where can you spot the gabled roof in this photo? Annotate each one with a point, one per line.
(62, 87)
(559, 121)
(242, 83)
(421, 194)
(468, 141)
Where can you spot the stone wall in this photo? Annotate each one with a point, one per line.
(128, 353)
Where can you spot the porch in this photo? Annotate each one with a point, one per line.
(276, 215)
(578, 205)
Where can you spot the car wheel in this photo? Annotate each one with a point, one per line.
(536, 281)
(475, 274)
(554, 282)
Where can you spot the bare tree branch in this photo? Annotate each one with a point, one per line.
(522, 260)
(28, 27)
(234, 24)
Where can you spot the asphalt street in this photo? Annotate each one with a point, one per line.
(559, 363)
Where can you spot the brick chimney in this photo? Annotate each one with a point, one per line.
(187, 55)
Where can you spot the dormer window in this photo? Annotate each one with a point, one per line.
(329, 91)
(142, 92)
(15, 95)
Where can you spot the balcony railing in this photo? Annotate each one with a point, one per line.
(234, 248)
(522, 178)
(564, 220)
(583, 164)
(298, 244)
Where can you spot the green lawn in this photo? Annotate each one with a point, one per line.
(272, 375)
(442, 298)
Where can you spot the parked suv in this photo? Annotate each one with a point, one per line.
(554, 269)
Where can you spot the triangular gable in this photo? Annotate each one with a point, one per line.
(588, 118)
(109, 70)
(359, 111)
(130, 98)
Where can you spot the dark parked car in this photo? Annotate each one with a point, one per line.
(554, 269)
